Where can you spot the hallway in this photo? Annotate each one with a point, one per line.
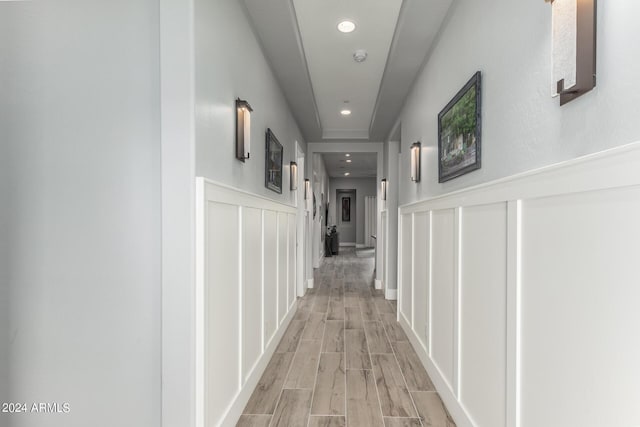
(344, 360)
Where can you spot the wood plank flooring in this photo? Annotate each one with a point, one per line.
(344, 361)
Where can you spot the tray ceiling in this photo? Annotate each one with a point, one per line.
(314, 64)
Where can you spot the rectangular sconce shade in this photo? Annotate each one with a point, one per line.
(415, 161)
(573, 48)
(307, 189)
(243, 129)
(293, 174)
(383, 189)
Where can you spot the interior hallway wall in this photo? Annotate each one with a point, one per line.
(80, 122)
(364, 187)
(4, 225)
(523, 127)
(391, 205)
(321, 189)
(229, 64)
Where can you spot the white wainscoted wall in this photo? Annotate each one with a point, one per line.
(521, 295)
(246, 294)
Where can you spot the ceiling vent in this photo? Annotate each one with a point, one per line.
(360, 55)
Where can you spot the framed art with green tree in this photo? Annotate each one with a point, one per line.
(459, 132)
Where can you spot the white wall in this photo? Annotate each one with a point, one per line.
(229, 64)
(246, 294)
(320, 186)
(178, 213)
(522, 126)
(81, 139)
(514, 290)
(391, 205)
(364, 187)
(4, 225)
(249, 297)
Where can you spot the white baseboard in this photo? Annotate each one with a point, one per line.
(391, 294)
(309, 283)
(360, 245)
(242, 398)
(378, 284)
(347, 243)
(456, 410)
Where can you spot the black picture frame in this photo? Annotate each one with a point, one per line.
(346, 209)
(460, 132)
(273, 163)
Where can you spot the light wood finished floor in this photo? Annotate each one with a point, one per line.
(345, 361)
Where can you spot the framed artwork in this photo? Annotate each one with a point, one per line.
(273, 163)
(346, 209)
(326, 215)
(459, 131)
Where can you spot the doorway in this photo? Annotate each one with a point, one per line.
(346, 216)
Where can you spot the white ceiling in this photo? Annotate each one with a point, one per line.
(363, 165)
(314, 66)
(335, 76)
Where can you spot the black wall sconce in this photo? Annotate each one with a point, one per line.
(383, 189)
(573, 47)
(307, 189)
(243, 129)
(415, 161)
(293, 176)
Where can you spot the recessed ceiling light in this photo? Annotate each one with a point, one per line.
(346, 26)
(347, 174)
(345, 112)
(348, 160)
(347, 155)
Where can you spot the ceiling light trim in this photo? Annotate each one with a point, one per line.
(346, 26)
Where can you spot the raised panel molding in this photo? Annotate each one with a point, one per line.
(422, 278)
(222, 313)
(406, 267)
(283, 271)
(483, 287)
(270, 275)
(443, 283)
(580, 268)
(532, 297)
(245, 294)
(252, 335)
(291, 260)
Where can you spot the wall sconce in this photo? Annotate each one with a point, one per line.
(573, 48)
(307, 188)
(293, 176)
(383, 189)
(415, 161)
(243, 129)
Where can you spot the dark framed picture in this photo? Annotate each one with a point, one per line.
(346, 209)
(459, 132)
(273, 163)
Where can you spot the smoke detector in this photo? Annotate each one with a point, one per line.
(360, 55)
